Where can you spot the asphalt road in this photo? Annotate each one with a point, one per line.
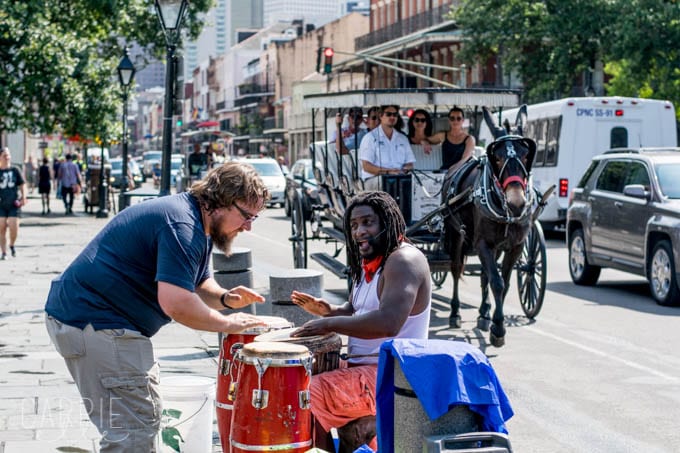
(597, 371)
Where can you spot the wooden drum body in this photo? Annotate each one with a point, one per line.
(226, 371)
(272, 401)
(324, 348)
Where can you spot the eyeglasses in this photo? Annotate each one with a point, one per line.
(419, 120)
(455, 118)
(247, 217)
(392, 114)
(373, 118)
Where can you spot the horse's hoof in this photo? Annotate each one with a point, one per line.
(495, 341)
(454, 321)
(483, 324)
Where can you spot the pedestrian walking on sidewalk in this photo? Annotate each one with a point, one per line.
(69, 179)
(12, 198)
(147, 267)
(45, 184)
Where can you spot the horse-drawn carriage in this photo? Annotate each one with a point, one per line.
(445, 212)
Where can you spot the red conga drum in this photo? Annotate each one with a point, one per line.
(324, 348)
(226, 372)
(271, 405)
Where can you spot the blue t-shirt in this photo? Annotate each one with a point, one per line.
(112, 284)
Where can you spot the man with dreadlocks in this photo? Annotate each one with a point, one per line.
(390, 298)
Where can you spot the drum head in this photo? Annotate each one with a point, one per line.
(284, 335)
(275, 350)
(273, 323)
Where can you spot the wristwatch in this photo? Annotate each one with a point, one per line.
(222, 300)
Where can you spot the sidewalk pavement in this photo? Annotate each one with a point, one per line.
(40, 407)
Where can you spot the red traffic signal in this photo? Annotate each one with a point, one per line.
(328, 60)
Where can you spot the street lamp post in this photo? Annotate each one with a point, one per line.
(170, 13)
(103, 211)
(126, 73)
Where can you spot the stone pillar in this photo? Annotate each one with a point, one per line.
(282, 284)
(411, 423)
(234, 270)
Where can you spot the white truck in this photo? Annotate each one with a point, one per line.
(569, 132)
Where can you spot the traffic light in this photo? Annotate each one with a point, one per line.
(179, 122)
(328, 60)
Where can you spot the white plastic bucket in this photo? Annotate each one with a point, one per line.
(188, 411)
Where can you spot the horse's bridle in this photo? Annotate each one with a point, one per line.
(488, 182)
(511, 155)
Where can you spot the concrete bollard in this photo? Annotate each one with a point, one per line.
(239, 260)
(411, 423)
(282, 284)
(234, 270)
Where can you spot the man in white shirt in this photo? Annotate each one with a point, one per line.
(384, 150)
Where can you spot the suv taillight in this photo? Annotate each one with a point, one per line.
(564, 187)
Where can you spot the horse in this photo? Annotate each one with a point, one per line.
(491, 216)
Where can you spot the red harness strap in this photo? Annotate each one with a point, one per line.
(515, 178)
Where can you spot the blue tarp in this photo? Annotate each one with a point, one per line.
(442, 374)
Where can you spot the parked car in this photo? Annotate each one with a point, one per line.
(117, 173)
(625, 214)
(300, 182)
(149, 158)
(272, 176)
(176, 167)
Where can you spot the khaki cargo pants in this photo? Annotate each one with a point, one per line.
(118, 379)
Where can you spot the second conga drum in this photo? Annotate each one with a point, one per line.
(324, 348)
(226, 371)
(271, 404)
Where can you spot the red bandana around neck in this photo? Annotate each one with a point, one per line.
(370, 267)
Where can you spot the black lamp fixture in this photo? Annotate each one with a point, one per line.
(170, 14)
(126, 73)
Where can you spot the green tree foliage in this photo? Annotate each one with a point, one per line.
(551, 43)
(58, 60)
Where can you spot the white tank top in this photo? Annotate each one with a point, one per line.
(366, 299)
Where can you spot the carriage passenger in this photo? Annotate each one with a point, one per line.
(373, 118)
(390, 298)
(385, 150)
(352, 134)
(457, 145)
(420, 130)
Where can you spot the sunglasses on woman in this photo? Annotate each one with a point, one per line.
(419, 120)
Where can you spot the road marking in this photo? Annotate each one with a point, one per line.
(264, 238)
(629, 363)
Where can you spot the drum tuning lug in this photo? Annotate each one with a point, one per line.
(236, 347)
(260, 398)
(232, 391)
(305, 400)
(225, 367)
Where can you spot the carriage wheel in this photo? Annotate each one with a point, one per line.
(298, 234)
(531, 272)
(438, 277)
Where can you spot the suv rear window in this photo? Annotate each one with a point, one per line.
(586, 175)
(612, 177)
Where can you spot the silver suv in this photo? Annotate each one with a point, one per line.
(625, 214)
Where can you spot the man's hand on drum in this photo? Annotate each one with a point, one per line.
(311, 304)
(312, 328)
(243, 321)
(242, 297)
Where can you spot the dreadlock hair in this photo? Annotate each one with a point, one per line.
(391, 220)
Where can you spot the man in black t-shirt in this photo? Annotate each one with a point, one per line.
(12, 198)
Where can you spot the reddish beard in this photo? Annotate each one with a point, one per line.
(220, 240)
